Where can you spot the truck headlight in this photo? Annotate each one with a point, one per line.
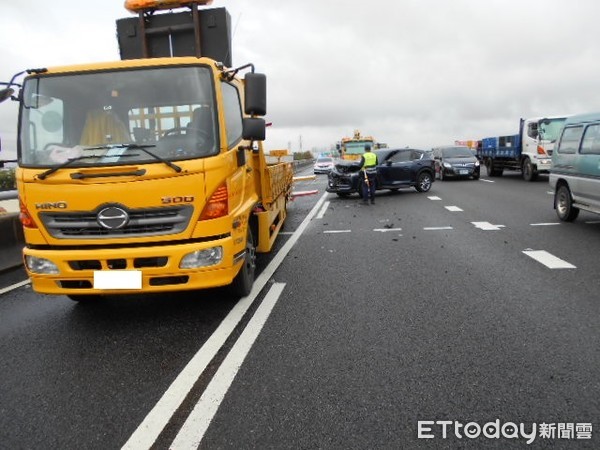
(202, 258)
(41, 265)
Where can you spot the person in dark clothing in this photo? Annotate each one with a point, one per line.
(368, 164)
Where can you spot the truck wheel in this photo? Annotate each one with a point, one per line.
(563, 202)
(489, 166)
(423, 182)
(243, 281)
(529, 172)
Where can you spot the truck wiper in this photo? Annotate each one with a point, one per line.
(68, 162)
(142, 147)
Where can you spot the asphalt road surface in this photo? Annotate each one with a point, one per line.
(428, 320)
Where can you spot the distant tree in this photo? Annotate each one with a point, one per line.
(7, 180)
(302, 155)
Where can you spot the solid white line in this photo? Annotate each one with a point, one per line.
(544, 224)
(453, 208)
(323, 210)
(549, 260)
(336, 231)
(194, 428)
(12, 287)
(437, 228)
(156, 420)
(592, 222)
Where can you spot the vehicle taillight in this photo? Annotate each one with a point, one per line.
(217, 205)
(541, 150)
(24, 216)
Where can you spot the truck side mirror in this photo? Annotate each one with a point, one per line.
(6, 94)
(255, 102)
(254, 129)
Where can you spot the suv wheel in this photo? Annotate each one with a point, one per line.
(424, 181)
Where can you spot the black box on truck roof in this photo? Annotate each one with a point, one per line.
(204, 32)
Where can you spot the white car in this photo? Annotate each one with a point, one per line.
(323, 164)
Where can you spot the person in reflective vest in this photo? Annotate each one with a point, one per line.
(368, 163)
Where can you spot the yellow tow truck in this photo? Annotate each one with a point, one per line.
(148, 174)
(352, 148)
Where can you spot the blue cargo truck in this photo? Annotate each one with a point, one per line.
(529, 151)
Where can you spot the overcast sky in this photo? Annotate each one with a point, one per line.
(414, 73)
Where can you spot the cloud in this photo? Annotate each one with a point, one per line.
(410, 72)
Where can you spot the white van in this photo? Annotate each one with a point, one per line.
(575, 173)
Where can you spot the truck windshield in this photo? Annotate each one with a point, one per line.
(356, 148)
(169, 111)
(549, 129)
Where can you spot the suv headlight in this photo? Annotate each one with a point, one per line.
(447, 165)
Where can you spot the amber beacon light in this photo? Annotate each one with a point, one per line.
(140, 5)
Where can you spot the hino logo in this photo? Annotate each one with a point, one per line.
(53, 205)
(112, 218)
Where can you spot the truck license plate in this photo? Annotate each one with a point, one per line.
(118, 279)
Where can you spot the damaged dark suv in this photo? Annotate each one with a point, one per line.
(396, 168)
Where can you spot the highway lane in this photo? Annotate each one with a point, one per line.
(454, 322)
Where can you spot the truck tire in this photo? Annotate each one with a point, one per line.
(563, 203)
(492, 169)
(529, 171)
(243, 281)
(489, 166)
(424, 182)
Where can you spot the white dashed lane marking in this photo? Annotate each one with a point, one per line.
(487, 226)
(548, 259)
(453, 208)
(544, 224)
(434, 197)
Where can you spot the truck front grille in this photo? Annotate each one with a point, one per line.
(141, 222)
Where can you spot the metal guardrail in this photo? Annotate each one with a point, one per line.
(11, 241)
(8, 195)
